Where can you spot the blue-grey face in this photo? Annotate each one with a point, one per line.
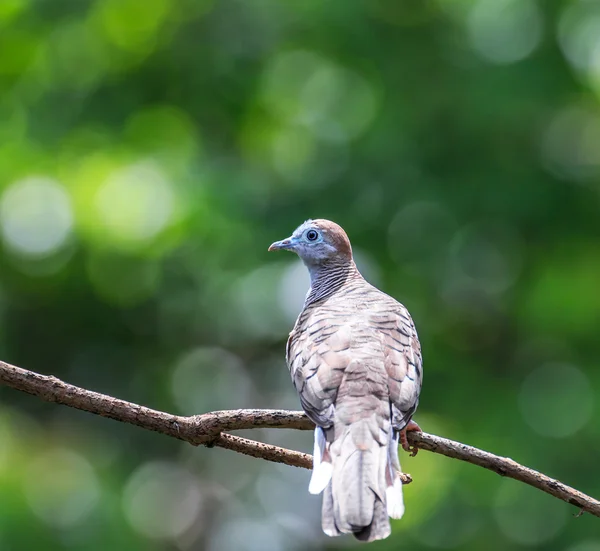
(312, 242)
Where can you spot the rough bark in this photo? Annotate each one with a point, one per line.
(209, 429)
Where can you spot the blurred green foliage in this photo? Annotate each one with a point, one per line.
(151, 150)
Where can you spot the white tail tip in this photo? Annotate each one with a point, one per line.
(395, 501)
(320, 478)
(322, 470)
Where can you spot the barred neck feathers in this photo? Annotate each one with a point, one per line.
(328, 278)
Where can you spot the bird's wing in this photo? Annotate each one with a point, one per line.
(318, 352)
(403, 360)
(320, 348)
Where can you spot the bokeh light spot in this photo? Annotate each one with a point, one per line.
(133, 25)
(35, 216)
(579, 35)
(208, 379)
(570, 145)
(61, 487)
(527, 516)
(292, 149)
(162, 500)
(488, 254)
(334, 103)
(249, 535)
(505, 31)
(256, 304)
(556, 400)
(136, 203)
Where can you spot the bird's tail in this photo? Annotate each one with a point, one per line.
(359, 475)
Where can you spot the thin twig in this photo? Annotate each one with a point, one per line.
(208, 430)
(203, 429)
(505, 466)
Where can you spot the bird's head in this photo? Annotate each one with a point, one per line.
(317, 242)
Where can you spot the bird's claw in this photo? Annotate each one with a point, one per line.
(411, 426)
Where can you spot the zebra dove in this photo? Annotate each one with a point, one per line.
(355, 360)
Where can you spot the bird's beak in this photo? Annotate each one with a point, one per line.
(282, 245)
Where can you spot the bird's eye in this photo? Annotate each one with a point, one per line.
(312, 235)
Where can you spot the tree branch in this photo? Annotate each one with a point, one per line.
(208, 430)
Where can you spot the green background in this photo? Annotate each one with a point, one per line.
(150, 151)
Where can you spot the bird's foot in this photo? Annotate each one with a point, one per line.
(412, 426)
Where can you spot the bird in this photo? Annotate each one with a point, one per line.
(355, 360)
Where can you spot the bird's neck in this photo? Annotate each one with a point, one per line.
(326, 279)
